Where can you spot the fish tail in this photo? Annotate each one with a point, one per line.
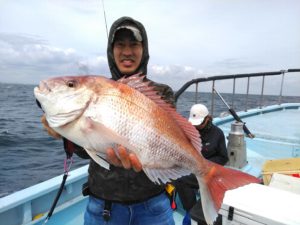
(215, 183)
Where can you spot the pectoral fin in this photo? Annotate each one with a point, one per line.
(165, 175)
(98, 158)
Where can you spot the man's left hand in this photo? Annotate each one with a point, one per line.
(125, 159)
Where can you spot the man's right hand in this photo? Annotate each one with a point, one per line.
(50, 131)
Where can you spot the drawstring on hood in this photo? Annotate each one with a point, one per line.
(126, 21)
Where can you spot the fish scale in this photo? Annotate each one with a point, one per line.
(136, 128)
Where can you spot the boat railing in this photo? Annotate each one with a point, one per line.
(234, 78)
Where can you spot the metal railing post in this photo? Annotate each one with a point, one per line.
(262, 92)
(233, 93)
(247, 94)
(281, 87)
(196, 94)
(212, 98)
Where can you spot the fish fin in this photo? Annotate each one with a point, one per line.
(190, 131)
(109, 136)
(209, 210)
(98, 158)
(137, 82)
(108, 139)
(165, 175)
(215, 183)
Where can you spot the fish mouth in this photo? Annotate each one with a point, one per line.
(44, 87)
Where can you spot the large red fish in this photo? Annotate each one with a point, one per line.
(96, 112)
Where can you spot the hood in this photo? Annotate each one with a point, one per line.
(115, 73)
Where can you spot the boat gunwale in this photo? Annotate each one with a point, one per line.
(41, 189)
(256, 111)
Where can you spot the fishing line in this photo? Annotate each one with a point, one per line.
(104, 14)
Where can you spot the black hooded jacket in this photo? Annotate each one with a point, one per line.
(115, 73)
(119, 184)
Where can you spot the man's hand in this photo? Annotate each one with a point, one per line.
(50, 131)
(126, 160)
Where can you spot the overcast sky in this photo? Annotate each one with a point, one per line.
(187, 39)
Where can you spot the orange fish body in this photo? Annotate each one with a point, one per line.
(100, 113)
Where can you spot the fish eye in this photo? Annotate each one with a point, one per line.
(71, 83)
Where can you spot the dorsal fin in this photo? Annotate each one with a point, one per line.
(137, 82)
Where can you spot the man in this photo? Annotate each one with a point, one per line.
(213, 149)
(124, 194)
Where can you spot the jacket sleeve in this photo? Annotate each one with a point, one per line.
(221, 157)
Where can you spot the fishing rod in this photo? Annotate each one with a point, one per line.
(235, 116)
(104, 14)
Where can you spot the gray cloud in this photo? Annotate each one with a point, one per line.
(236, 63)
(19, 40)
(32, 57)
(19, 51)
(94, 65)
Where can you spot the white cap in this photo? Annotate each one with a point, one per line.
(198, 113)
(135, 31)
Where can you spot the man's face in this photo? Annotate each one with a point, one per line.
(127, 54)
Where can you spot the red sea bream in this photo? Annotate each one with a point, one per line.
(96, 112)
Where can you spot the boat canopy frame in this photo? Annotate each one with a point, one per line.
(234, 77)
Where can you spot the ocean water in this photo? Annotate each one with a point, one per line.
(29, 156)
